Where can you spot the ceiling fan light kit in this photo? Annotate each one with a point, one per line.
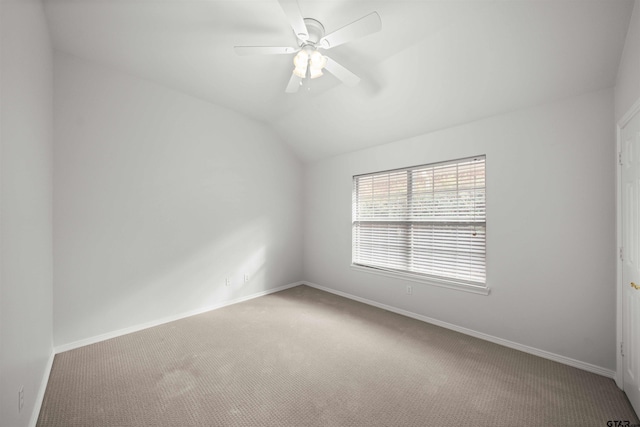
(308, 61)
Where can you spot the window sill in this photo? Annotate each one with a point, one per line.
(480, 290)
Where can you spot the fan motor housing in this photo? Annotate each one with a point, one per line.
(315, 29)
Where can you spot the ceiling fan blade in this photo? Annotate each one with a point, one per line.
(263, 50)
(294, 84)
(364, 26)
(294, 16)
(346, 76)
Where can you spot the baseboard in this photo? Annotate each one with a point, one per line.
(136, 328)
(511, 344)
(43, 387)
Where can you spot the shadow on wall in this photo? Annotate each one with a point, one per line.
(141, 283)
(212, 273)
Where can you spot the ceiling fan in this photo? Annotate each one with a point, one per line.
(310, 34)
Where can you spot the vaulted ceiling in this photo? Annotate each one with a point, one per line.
(433, 65)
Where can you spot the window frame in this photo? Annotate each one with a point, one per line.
(429, 279)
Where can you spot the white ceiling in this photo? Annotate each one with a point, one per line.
(434, 64)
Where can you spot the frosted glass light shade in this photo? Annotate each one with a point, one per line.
(313, 61)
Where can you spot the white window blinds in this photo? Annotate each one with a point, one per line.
(427, 220)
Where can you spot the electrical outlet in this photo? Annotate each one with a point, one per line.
(20, 399)
(246, 277)
(409, 290)
(227, 282)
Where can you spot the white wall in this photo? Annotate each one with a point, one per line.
(550, 227)
(627, 90)
(158, 198)
(25, 214)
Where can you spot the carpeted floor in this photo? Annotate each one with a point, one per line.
(303, 357)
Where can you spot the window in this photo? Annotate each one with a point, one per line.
(427, 221)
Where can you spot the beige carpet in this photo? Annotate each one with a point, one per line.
(303, 357)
